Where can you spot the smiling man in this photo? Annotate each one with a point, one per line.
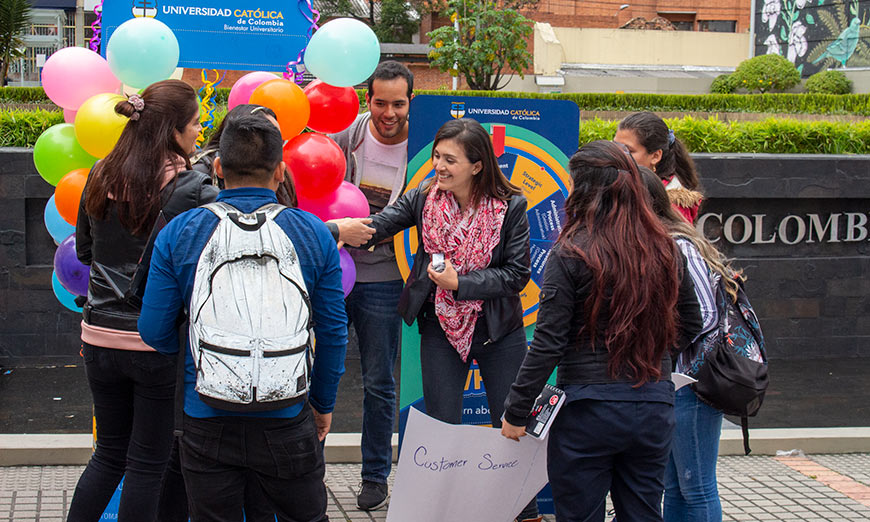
(376, 149)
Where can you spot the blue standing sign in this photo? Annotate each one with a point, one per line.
(262, 35)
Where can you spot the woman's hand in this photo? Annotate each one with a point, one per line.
(447, 279)
(354, 231)
(512, 432)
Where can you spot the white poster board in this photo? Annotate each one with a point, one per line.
(457, 472)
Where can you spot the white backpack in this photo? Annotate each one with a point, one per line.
(250, 315)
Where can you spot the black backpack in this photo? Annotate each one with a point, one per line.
(730, 361)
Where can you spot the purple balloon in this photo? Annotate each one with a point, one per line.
(348, 271)
(71, 273)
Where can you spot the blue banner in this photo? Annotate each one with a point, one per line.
(262, 35)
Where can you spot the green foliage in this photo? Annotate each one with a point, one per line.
(22, 128)
(490, 44)
(774, 136)
(767, 72)
(14, 19)
(724, 84)
(23, 95)
(396, 24)
(782, 103)
(829, 82)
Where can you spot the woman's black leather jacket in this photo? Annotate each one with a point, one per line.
(499, 285)
(113, 253)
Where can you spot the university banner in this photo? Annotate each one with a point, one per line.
(259, 35)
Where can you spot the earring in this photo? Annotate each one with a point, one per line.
(653, 167)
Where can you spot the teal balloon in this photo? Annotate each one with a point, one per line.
(57, 152)
(63, 295)
(343, 52)
(142, 51)
(56, 225)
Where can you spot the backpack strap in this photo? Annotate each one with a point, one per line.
(744, 426)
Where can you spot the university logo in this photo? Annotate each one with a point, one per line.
(457, 109)
(144, 8)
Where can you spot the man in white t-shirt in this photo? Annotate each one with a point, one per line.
(376, 149)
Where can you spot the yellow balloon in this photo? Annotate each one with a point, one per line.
(98, 126)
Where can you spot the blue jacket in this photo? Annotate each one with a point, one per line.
(170, 284)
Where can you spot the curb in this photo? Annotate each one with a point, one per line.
(76, 448)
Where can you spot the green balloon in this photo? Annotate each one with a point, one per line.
(57, 152)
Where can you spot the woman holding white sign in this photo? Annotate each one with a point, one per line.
(616, 299)
(472, 263)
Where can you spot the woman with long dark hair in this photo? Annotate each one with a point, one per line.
(143, 182)
(654, 146)
(467, 307)
(691, 491)
(615, 302)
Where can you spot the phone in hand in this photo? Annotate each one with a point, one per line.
(438, 262)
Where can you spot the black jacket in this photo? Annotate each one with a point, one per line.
(499, 285)
(567, 285)
(113, 252)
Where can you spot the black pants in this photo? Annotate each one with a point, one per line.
(220, 454)
(623, 447)
(133, 403)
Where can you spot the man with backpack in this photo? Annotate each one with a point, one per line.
(246, 281)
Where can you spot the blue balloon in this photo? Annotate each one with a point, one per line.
(343, 52)
(142, 51)
(56, 225)
(65, 297)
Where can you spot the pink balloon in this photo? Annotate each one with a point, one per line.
(244, 86)
(69, 115)
(348, 271)
(74, 74)
(345, 201)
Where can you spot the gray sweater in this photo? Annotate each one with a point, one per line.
(379, 264)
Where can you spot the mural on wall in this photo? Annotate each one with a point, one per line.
(815, 34)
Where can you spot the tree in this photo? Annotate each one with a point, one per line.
(398, 22)
(14, 19)
(490, 43)
(391, 20)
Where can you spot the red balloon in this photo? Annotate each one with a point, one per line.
(316, 163)
(333, 108)
(345, 201)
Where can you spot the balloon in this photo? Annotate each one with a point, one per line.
(343, 52)
(56, 226)
(348, 271)
(289, 103)
(73, 74)
(68, 194)
(316, 163)
(98, 126)
(142, 51)
(244, 86)
(67, 299)
(71, 273)
(69, 116)
(57, 152)
(345, 201)
(333, 109)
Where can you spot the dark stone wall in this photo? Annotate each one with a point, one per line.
(813, 296)
(34, 327)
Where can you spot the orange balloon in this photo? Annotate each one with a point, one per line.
(68, 194)
(289, 103)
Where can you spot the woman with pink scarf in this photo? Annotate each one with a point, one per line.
(469, 309)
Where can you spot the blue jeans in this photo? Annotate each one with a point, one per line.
(373, 309)
(133, 405)
(621, 446)
(691, 494)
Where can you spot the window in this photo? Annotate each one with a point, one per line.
(718, 26)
